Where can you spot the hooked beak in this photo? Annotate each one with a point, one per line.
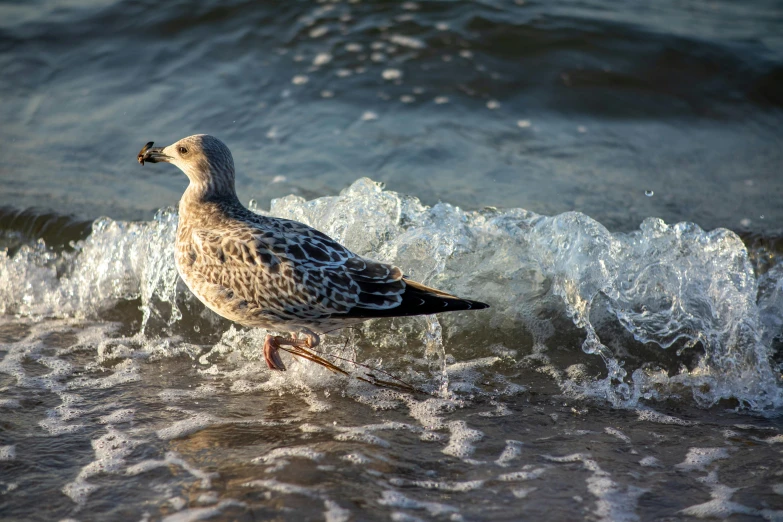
(152, 154)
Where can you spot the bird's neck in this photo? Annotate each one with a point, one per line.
(208, 194)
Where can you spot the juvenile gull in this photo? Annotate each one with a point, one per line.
(273, 273)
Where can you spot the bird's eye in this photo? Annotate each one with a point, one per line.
(183, 150)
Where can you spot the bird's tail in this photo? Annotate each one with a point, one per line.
(419, 299)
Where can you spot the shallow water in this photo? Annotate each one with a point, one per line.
(628, 369)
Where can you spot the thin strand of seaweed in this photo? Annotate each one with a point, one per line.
(370, 378)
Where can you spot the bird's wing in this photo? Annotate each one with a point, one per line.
(288, 267)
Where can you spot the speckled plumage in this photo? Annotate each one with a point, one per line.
(275, 273)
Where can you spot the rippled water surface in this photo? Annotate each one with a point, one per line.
(607, 175)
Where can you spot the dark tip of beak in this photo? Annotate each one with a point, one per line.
(151, 154)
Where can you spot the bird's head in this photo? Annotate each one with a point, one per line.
(203, 158)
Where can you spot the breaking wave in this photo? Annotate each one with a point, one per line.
(663, 312)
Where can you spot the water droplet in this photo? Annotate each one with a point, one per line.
(523, 124)
(649, 193)
(318, 31)
(440, 100)
(369, 116)
(322, 59)
(745, 222)
(300, 79)
(493, 104)
(581, 129)
(407, 98)
(197, 328)
(392, 74)
(407, 41)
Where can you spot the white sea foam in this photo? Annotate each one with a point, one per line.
(202, 513)
(111, 450)
(531, 473)
(397, 499)
(617, 433)
(303, 452)
(700, 458)
(282, 487)
(440, 485)
(650, 462)
(613, 501)
(461, 440)
(8, 452)
(335, 513)
(510, 453)
(192, 424)
(721, 505)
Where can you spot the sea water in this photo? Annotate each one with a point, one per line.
(605, 175)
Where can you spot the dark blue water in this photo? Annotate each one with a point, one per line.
(629, 368)
(679, 98)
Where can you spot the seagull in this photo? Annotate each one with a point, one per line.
(278, 274)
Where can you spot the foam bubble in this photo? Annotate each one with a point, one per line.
(721, 505)
(699, 458)
(187, 426)
(302, 452)
(510, 453)
(111, 450)
(203, 513)
(335, 513)
(8, 452)
(396, 499)
(439, 485)
(614, 432)
(650, 462)
(662, 418)
(461, 440)
(282, 487)
(357, 458)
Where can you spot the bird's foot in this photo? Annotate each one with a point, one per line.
(273, 343)
(272, 353)
(311, 340)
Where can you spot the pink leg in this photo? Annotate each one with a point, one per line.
(271, 353)
(273, 343)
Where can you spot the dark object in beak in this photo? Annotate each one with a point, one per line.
(152, 154)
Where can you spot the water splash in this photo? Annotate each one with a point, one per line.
(677, 287)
